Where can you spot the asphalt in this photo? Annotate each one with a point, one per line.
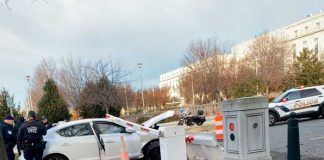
(311, 135)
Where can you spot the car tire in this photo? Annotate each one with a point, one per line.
(180, 123)
(56, 157)
(322, 111)
(153, 151)
(200, 123)
(272, 118)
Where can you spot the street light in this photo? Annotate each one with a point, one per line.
(256, 72)
(30, 106)
(192, 90)
(153, 99)
(127, 111)
(140, 67)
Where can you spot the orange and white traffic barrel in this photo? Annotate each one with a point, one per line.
(124, 154)
(219, 126)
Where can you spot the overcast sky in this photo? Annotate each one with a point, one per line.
(154, 32)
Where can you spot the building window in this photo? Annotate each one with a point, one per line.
(305, 44)
(316, 45)
(296, 33)
(306, 29)
(318, 25)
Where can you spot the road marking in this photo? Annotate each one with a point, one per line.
(317, 138)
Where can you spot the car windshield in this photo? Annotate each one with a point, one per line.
(277, 100)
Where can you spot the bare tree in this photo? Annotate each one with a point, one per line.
(205, 64)
(229, 76)
(45, 70)
(73, 77)
(162, 96)
(266, 56)
(108, 76)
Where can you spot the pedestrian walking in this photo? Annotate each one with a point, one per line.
(9, 136)
(30, 138)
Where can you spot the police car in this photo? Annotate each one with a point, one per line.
(306, 102)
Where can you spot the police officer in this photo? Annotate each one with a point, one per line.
(46, 123)
(9, 136)
(21, 120)
(30, 138)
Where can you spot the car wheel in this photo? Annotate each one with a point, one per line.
(272, 118)
(322, 111)
(180, 123)
(199, 123)
(56, 157)
(153, 151)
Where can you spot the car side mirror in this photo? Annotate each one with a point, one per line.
(130, 130)
(284, 100)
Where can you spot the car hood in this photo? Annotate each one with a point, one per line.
(272, 105)
(158, 118)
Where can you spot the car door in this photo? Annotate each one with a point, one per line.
(289, 101)
(111, 134)
(79, 142)
(310, 100)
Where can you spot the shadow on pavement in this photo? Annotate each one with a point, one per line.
(283, 156)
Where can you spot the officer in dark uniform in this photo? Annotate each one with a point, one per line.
(21, 120)
(30, 138)
(9, 136)
(46, 123)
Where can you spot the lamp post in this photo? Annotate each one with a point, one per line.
(153, 100)
(256, 73)
(192, 90)
(30, 105)
(140, 67)
(127, 111)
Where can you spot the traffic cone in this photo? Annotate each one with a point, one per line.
(219, 126)
(124, 154)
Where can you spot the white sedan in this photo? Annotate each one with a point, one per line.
(100, 139)
(90, 139)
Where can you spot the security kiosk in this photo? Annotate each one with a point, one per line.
(172, 143)
(246, 129)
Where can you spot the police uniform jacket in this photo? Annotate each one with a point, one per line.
(31, 132)
(8, 134)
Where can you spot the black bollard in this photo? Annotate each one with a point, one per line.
(293, 138)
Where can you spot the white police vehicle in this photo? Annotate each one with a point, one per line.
(306, 102)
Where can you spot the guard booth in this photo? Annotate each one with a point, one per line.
(246, 129)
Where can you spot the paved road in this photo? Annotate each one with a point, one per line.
(311, 134)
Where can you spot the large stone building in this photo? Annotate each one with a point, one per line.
(305, 33)
(171, 80)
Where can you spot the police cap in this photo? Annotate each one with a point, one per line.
(8, 117)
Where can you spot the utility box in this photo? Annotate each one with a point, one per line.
(246, 129)
(172, 143)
